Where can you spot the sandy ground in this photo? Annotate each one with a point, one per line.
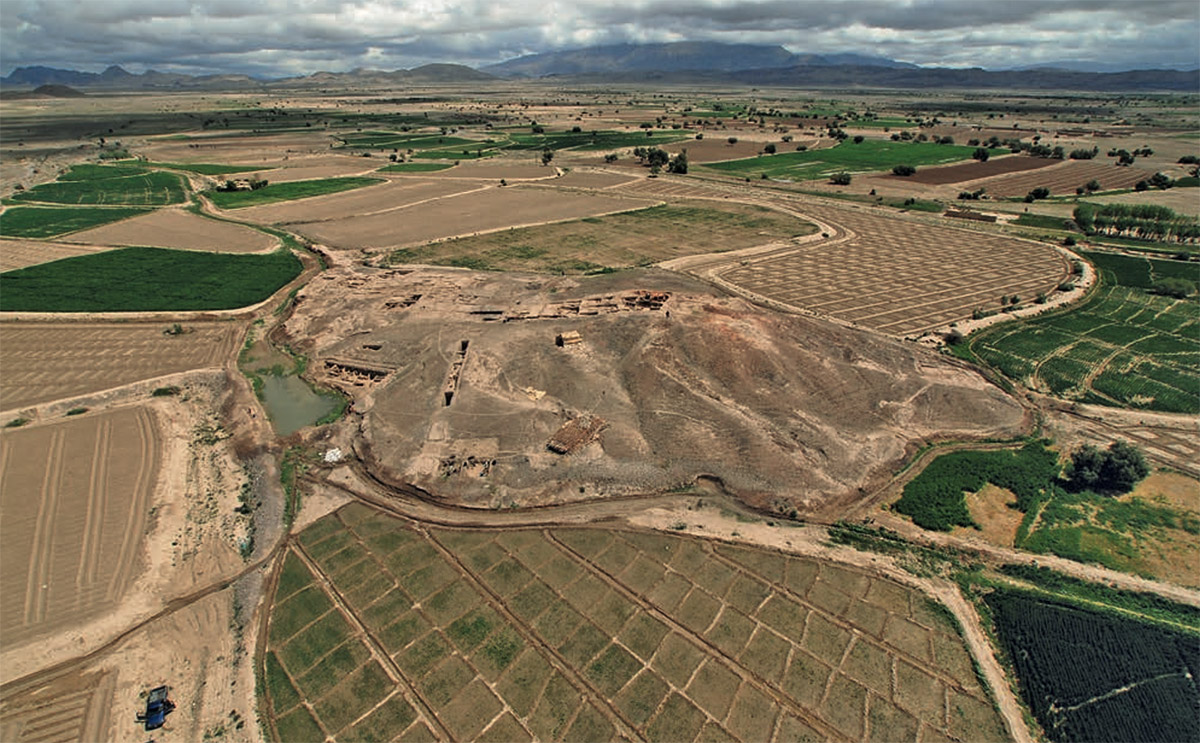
(381, 197)
(177, 228)
(16, 253)
(314, 167)
(192, 533)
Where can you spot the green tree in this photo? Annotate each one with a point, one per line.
(769, 149)
(1114, 470)
(981, 154)
(840, 179)
(904, 170)
(679, 164)
(547, 156)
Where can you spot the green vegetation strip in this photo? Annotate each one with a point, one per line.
(866, 156)
(147, 280)
(206, 168)
(42, 222)
(415, 168)
(287, 191)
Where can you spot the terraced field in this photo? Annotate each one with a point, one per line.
(1064, 178)
(383, 630)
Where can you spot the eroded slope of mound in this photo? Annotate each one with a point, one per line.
(463, 383)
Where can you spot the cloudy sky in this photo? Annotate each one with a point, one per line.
(287, 37)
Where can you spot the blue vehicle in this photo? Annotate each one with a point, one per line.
(157, 709)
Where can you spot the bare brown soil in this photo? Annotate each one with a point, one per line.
(271, 150)
(21, 253)
(678, 404)
(50, 361)
(1064, 178)
(992, 509)
(975, 170)
(176, 228)
(482, 211)
(75, 497)
(310, 168)
(380, 198)
(511, 168)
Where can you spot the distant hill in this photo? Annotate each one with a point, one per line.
(42, 91)
(704, 56)
(687, 62)
(118, 78)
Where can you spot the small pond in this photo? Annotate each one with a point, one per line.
(292, 404)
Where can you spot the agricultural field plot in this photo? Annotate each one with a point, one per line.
(615, 241)
(866, 156)
(975, 170)
(40, 222)
(1064, 178)
(1098, 676)
(317, 168)
(482, 211)
(395, 194)
(288, 191)
(379, 629)
(668, 188)
(175, 228)
(148, 280)
(415, 167)
(71, 707)
(109, 185)
(16, 254)
(900, 279)
(1122, 346)
(595, 141)
(240, 149)
(44, 362)
(715, 147)
(74, 495)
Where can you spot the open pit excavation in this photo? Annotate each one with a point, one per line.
(487, 390)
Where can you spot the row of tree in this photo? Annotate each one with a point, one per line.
(1144, 221)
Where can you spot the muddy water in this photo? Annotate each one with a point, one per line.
(292, 404)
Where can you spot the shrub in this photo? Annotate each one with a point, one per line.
(1173, 287)
(903, 170)
(170, 391)
(840, 179)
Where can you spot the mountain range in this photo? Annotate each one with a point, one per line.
(680, 62)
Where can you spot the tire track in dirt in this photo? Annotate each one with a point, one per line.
(148, 466)
(89, 555)
(43, 537)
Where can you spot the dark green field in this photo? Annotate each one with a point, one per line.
(416, 168)
(287, 191)
(206, 168)
(1098, 677)
(146, 280)
(866, 156)
(42, 222)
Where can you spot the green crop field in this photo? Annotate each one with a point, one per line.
(1123, 346)
(598, 634)
(146, 280)
(613, 241)
(206, 168)
(415, 168)
(398, 141)
(42, 222)
(129, 185)
(1097, 676)
(866, 156)
(287, 191)
(591, 141)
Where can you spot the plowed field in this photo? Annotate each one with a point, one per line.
(74, 496)
(348, 204)
(493, 209)
(1064, 178)
(51, 361)
(72, 707)
(973, 170)
(21, 253)
(382, 629)
(899, 277)
(173, 228)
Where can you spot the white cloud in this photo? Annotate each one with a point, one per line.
(283, 36)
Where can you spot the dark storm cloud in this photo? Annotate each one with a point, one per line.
(281, 37)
